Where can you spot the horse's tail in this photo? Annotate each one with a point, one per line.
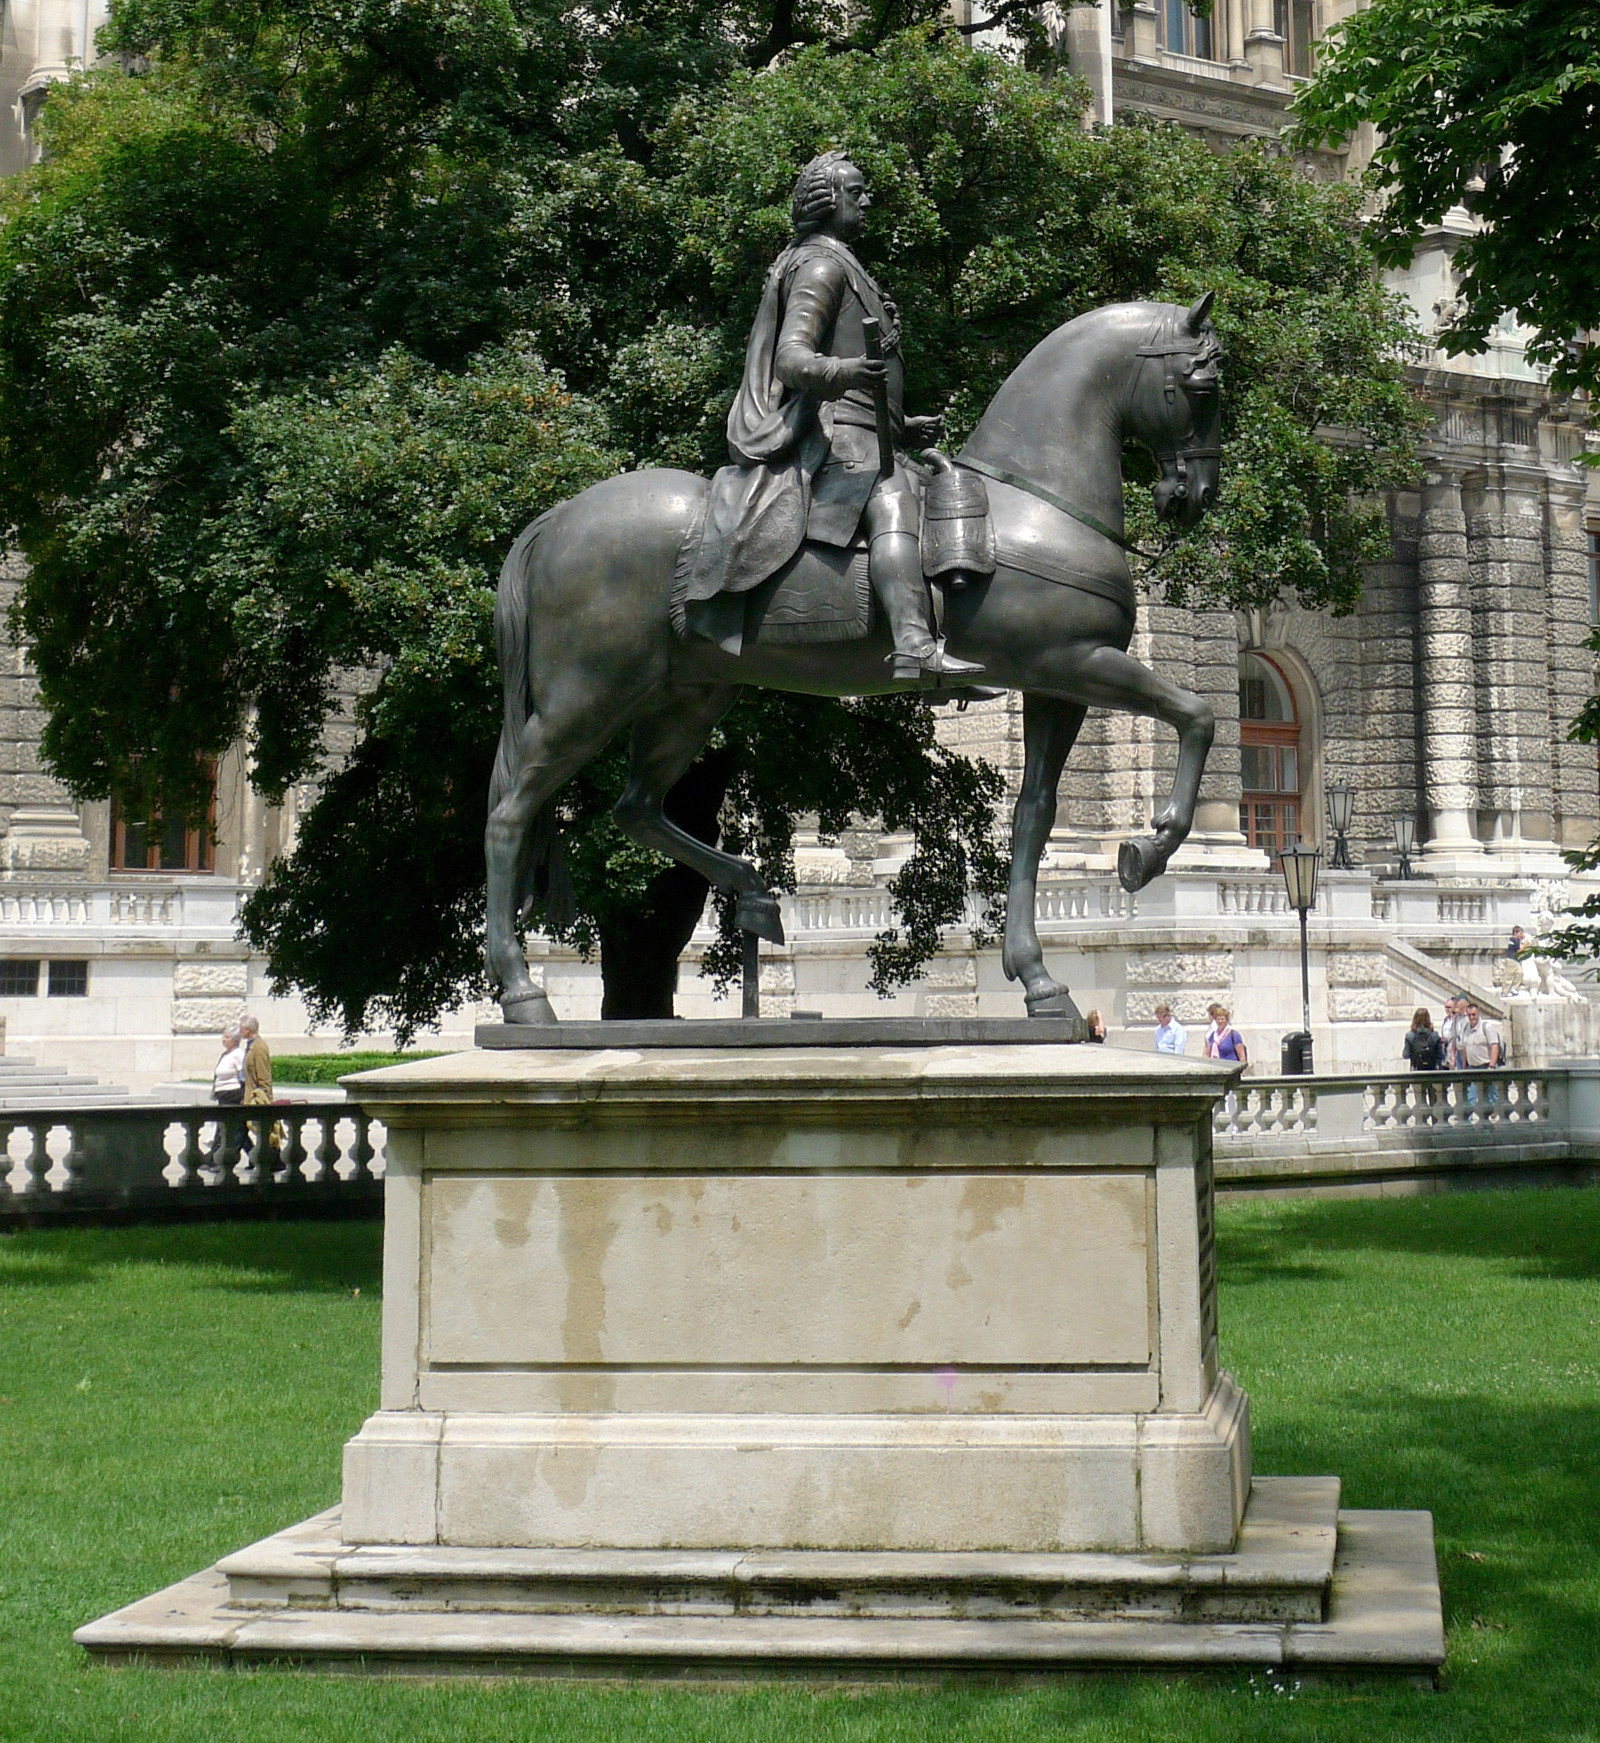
(543, 867)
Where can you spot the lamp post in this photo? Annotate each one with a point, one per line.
(1300, 878)
(1341, 812)
(1405, 840)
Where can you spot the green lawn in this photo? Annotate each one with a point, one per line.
(330, 1067)
(170, 1394)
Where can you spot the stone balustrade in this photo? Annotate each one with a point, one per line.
(132, 903)
(71, 1164)
(1410, 1131)
(1101, 899)
(1261, 895)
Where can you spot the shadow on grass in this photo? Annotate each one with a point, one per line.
(268, 1257)
(1514, 1489)
(1552, 1233)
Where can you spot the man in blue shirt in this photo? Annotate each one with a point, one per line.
(1171, 1036)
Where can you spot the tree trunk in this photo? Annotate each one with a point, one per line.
(639, 951)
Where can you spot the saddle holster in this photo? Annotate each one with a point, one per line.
(957, 533)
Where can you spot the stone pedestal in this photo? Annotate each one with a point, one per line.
(842, 1359)
(898, 1298)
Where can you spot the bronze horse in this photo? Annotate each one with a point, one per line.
(587, 646)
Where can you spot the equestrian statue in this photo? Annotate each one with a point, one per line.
(820, 560)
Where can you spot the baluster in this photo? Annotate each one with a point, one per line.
(294, 1150)
(18, 1177)
(183, 1160)
(55, 1147)
(326, 1154)
(369, 1154)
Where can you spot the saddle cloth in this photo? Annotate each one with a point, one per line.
(822, 594)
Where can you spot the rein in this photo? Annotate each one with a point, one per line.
(1082, 516)
(1181, 453)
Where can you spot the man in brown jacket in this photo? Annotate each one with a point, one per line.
(257, 1066)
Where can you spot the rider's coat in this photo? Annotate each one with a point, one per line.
(805, 454)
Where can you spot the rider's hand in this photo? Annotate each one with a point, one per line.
(926, 430)
(852, 373)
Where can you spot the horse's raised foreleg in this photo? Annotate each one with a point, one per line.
(664, 744)
(1049, 729)
(1108, 678)
(549, 750)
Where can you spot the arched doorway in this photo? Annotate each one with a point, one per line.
(1270, 762)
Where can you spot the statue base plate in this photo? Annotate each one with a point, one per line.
(1042, 1030)
(1307, 1590)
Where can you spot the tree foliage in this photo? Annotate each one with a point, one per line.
(1493, 104)
(300, 322)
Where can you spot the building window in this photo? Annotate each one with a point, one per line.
(1296, 24)
(1269, 756)
(157, 845)
(1182, 32)
(19, 980)
(69, 980)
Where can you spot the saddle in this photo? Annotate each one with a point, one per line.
(823, 594)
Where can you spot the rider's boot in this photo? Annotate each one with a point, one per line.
(895, 566)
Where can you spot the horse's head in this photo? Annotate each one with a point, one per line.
(1175, 410)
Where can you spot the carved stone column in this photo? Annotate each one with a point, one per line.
(1574, 779)
(1141, 27)
(1263, 47)
(1505, 555)
(1216, 678)
(1086, 36)
(1449, 751)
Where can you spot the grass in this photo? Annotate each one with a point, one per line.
(171, 1394)
(330, 1067)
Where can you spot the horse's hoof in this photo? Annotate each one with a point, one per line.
(1054, 1001)
(1138, 862)
(531, 1007)
(758, 912)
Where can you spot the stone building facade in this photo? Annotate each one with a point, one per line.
(1445, 698)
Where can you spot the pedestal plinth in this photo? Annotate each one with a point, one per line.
(898, 1298)
(831, 1354)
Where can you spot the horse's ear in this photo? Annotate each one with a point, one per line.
(1200, 312)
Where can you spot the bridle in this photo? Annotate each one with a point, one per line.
(1204, 357)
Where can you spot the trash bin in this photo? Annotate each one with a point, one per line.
(1297, 1054)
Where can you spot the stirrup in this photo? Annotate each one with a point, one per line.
(936, 663)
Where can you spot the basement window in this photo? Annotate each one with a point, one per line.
(19, 980)
(69, 980)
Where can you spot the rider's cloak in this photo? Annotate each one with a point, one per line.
(757, 510)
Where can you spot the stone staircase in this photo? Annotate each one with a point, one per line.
(24, 1085)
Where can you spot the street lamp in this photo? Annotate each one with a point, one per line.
(1341, 811)
(1405, 840)
(1300, 878)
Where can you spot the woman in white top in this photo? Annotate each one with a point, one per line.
(227, 1081)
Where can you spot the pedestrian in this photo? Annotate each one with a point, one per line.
(1171, 1036)
(1209, 1046)
(1423, 1049)
(1481, 1048)
(1229, 1044)
(1097, 1026)
(1450, 1034)
(257, 1066)
(227, 1081)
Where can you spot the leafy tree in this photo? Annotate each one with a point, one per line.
(298, 326)
(1494, 104)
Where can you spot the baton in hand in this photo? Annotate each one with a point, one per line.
(880, 398)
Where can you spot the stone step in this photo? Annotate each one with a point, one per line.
(67, 1097)
(1384, 1618)
(1280, 1571)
